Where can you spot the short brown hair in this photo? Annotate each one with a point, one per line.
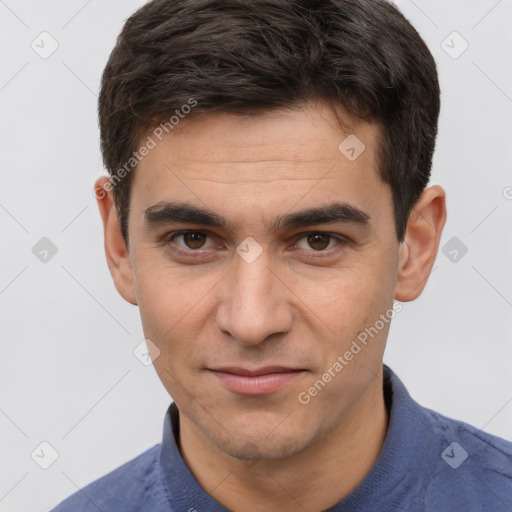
(248, 57)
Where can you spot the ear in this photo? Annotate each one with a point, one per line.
(118, 257)
(418, 251)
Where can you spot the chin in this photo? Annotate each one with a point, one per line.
(262, 447)
(262, 451)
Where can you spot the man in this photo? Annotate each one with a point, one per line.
(268, 211)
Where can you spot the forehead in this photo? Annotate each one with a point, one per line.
(314, 131)
(274, 159)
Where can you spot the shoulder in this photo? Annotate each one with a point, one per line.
(482, 446)
(134, 486)
(472, 467)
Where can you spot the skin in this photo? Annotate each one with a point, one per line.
(291, 306)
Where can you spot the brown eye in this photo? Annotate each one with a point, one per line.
(194, 240)
(319, 241)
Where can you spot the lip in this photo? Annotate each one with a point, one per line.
(260, 381)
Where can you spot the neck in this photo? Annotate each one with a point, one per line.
(314, 479)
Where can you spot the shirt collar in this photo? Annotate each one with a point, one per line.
(396, 470)
(396, 464)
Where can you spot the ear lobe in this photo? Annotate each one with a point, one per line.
(419, 248)
(118, 256)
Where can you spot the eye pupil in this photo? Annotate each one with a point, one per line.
(318, 241)
(194, 240)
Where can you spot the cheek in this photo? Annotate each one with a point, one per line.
(347, 302)
(170, 295)
(173, 324)
(176, 307)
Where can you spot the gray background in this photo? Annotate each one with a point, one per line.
(68, 375)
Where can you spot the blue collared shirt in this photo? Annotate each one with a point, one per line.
(428, 463)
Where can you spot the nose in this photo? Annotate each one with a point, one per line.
(254, 303)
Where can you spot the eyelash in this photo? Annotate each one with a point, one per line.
(342, 241)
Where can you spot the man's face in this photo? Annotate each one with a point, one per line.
(216, 313)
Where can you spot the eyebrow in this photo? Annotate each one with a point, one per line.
(174, 212)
